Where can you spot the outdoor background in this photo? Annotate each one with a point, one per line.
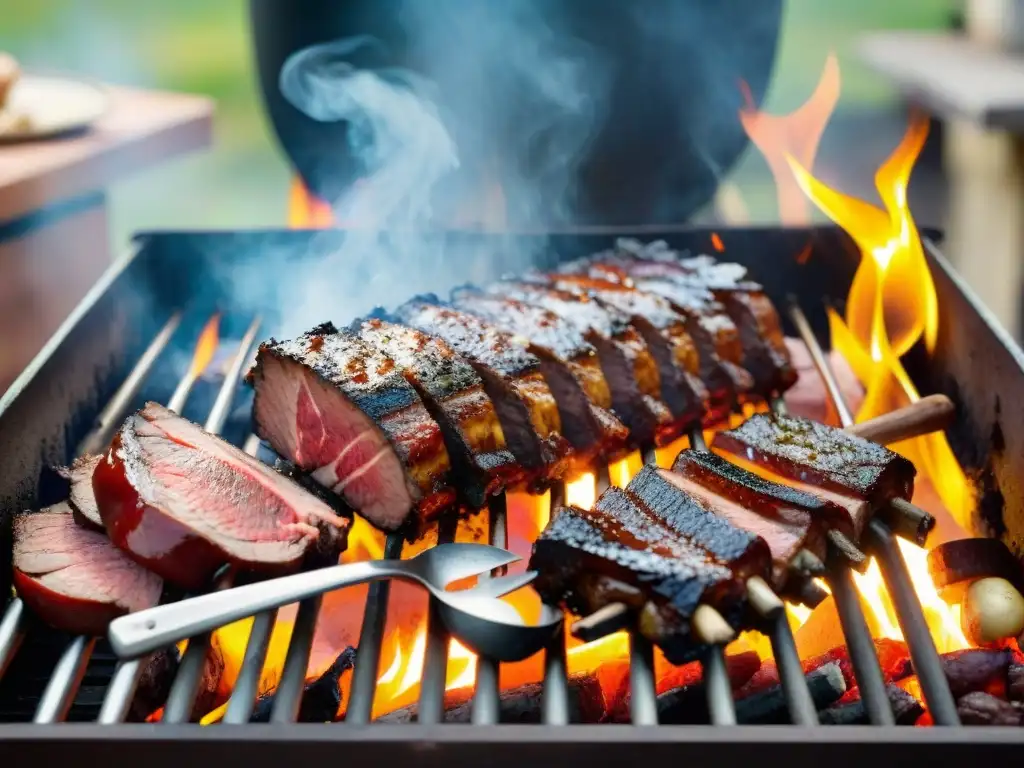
(203, 47)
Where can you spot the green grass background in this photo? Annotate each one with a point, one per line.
(204, 47)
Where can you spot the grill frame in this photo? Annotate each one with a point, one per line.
(115, 307)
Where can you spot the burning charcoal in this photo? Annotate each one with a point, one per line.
(1015, 682)
(518, 705)
(321, 698)
(688, 705)
(973, 669)
(979, 708)
(155, 680)
(740, 667)
(905, 707)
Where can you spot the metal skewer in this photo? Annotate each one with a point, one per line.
(927, 665)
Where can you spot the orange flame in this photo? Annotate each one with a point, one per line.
(206, 346)
(797, 134)
(891, 306)
(305, 210)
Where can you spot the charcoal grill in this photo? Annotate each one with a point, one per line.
(138, 326)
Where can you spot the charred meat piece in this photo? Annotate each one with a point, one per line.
(454, 395)
(856, 474)
(183, 503)
(764, 346)
(616, 552)
(73, 578)
(339, 408)
(81, 498)
(664, 330)
(570, 366)
(626, 360)
(512, 379)
(787, 519)
(688, 517)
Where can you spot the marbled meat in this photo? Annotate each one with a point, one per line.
(73, 577)
(183, 503)
(340, 409)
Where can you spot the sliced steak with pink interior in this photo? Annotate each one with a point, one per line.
(454, 394)
(340, 409)
(626, 360)
(183, 503)
(81, 498)
(512, 379)
(74, 578)
(570, 366)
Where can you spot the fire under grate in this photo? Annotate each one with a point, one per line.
(64, 680)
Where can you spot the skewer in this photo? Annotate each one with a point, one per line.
(364, 676)
(927, 665)
(487, 696)
(435, 656)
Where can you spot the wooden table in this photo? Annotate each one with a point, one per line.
(54, 236)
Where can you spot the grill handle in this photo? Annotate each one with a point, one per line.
(146, 631)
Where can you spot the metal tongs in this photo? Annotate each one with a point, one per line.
(480, 621)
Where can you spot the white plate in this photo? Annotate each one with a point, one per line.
(54, 105)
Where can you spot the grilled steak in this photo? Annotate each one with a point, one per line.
(512, 379)
(339, 408)
(81, 498)
(787, 519)
(454, 395)
(570, 366)
(664, 330)
(616, 552)
(73, 578)
(854, 473)
(183, 503)
(626, 360)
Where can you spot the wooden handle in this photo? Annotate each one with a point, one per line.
(929, 414)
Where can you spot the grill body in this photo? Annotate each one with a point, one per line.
(51, 407)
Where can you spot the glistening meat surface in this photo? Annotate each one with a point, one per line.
(340, 409)
(859, 475)
(73, 578)
(512, 379)
(183, 503)
(569, 365)
(454, 395)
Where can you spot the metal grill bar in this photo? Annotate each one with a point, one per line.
(719, 690)
(934, 686)
(435, 654)
(288, 696)
(486, 707)
(643, 694)
(555, 694)
(120, 692)
(12, 632)
(243, 696)
(364, 676)
(67, 676)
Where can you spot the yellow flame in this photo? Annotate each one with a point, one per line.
(582, 492)
(206, 346)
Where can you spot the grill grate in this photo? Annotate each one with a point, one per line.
(67, 675)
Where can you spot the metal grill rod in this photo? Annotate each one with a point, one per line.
(486, 707)
(435, 655)
(934, 686)
(364, 676)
